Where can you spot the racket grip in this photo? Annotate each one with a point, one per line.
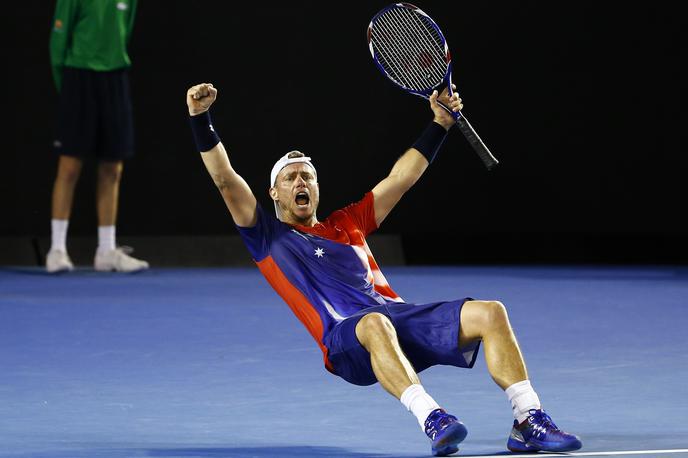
(488, 159)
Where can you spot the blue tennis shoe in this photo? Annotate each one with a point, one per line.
(539, 433)
(445, 431)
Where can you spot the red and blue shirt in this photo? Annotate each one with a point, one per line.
(325, 273)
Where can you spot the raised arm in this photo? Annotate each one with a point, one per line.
(234, 190)
(411, 165)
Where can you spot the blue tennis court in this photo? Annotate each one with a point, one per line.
(211, 363)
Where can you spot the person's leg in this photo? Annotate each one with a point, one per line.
(107, 199)
(395, 373)
(533, 429)
(488, 321)
(391, 367)
(108, 256)
(68, 171)
(66, 178)
(107, 192)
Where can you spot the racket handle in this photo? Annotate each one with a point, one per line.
(488, 159)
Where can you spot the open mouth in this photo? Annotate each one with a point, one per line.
(302, 199)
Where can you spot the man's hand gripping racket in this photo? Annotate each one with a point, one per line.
(410, 49)
(445, 107)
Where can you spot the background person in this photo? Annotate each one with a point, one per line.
(88, 53)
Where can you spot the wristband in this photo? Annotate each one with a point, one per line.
(203, 132)
(430, 141)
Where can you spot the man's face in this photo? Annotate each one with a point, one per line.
(296, 192)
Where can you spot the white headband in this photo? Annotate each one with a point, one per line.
(282, 163)
(285, 161)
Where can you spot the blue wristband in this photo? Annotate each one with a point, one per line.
(430, 141)
(203, 131)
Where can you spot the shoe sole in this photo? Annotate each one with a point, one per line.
(447, 444)
(524, 449)
(556, 446)
(60, 270)
(103, 269)
(534, 447)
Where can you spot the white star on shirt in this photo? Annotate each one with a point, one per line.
(319, 252)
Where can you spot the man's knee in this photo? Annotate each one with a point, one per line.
(374, 325)
(496, 313)
(480, 317)
(69, 169)
(110, 171)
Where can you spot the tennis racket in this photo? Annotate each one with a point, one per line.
(409, 48)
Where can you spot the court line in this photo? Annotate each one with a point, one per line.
(609, 453)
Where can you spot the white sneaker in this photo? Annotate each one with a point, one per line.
(118, 260)
(58, 261)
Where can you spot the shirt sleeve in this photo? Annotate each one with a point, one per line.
(363, 213)
(259, 237)
(60, 37)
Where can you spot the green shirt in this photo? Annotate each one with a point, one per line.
(91, 34)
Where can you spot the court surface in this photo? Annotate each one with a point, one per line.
(211, 363)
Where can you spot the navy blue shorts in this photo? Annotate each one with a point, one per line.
(94, 116)
(428, 335)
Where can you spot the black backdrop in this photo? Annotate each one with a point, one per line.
(580, 101)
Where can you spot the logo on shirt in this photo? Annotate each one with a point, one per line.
(58, 24)
(319, 252)
(122, 6)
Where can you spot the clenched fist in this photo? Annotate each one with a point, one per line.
(200, 97)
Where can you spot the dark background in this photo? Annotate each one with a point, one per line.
(581, 101)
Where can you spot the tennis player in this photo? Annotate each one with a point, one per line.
(327, 275)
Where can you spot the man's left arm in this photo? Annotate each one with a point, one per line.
(411, 165)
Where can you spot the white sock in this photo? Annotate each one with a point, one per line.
(106, 238)
(419, 403)
(58, 234)
(523, 398)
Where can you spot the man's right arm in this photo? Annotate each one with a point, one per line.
(234, 190)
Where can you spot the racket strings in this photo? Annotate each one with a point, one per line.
(390, 54)
(407, 59)
(433, 56)
(420, 49)
(425, 33)
(412, 76)
(410, 49)
(433, 45)
(397, 62)
(391, 57)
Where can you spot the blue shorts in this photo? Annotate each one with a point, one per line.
(428, 335)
